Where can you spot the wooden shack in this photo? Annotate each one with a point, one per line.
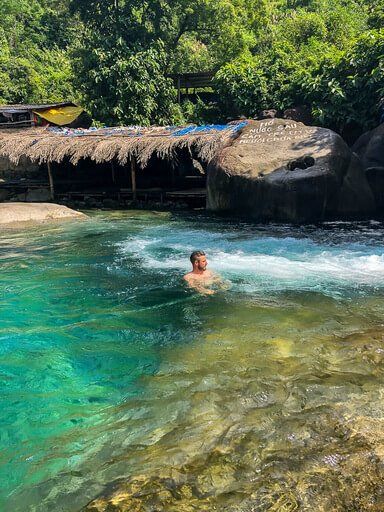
(50, 114)
(188, 84)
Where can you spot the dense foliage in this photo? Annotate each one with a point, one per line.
(114, 56)
(34, 41)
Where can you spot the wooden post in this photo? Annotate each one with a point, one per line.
(51, 181)
(113, 172)
(178, 89)
(133, 178)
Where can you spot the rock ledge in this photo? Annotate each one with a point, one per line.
(14, 213)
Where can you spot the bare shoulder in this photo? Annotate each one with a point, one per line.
(188, 277)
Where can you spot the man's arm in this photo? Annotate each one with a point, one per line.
(220, 283)
(197, 285)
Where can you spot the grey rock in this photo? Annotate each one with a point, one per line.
(301, 114)
(14, 213)
(284, 171)
(370, 149)
(267, 114)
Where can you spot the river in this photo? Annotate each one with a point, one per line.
(265, 396)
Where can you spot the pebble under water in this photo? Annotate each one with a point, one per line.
(122, 390)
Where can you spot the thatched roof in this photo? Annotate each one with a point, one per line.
(42, 145)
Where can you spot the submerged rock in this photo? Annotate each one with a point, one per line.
(291, 452)
(338, 467)
(332, 479)
(370, 148)
(282, 170)
(13, 213)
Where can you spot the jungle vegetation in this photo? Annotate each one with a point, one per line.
(114, 56)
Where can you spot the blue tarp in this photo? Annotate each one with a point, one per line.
(209, 128)
(139, 131)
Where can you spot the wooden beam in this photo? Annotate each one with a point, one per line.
(50, 177)
(133, 178)
(11, 123)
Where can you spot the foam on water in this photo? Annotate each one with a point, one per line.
(255, 262)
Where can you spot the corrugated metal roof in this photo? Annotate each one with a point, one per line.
(19, 108)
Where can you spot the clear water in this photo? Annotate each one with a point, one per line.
(111, 370)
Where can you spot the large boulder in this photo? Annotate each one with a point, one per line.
(15, 213)
(370, 149)
(285, 171)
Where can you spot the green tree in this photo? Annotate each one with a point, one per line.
(350, 88)
(33, 68)
(376, 14)
(299, 37)
(123, 86)
(115, 55)
(128, 47)
(242, 87)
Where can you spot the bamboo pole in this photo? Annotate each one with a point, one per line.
(133, 178)
(50, 177)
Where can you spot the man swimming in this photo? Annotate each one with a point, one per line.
(200, 278)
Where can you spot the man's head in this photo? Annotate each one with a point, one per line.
(199, 260)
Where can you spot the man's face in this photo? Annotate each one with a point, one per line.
(201, 263)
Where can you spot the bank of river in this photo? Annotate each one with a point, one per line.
(119, 382)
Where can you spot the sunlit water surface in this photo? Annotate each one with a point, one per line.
(112, 372)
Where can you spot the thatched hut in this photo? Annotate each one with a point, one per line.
(135, 157)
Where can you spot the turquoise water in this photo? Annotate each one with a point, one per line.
(110, 368)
